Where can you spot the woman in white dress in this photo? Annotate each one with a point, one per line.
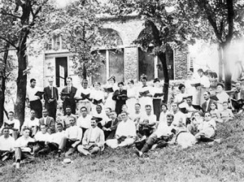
(145, 94)
(163, 114)
(157, 92)
(132, 97)
(97, 96)
(110, 88)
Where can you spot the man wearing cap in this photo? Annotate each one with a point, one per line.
(125, 133)
(33, 100)
(51, 98)
(120, 96)
(205, 84)
(6, 145)
(83, 96)
(67, 95)
(93, 140)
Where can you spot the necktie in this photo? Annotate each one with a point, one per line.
(51, 92)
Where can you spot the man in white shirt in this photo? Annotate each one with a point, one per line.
(22, 150)
(73, 137)
(41, 139)
(66, 118)
(83, 96)
(34, 100)
(6, 145)
(93, 140)
(179, 117)
(125, 134)
(31, 123)
(54, 144)
(100, 114)
(84, 121)
(147, 122)
(13, 124)
(163, 132)
(136, 116)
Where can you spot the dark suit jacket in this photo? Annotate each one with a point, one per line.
(48, 94)
(113, 127)
(69, 101)
(235, 95)
(204, 106)
(50, 123)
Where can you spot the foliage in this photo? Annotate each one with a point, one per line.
(81, 29)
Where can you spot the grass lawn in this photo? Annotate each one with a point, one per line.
(221, 162)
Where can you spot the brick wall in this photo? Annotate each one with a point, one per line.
(180, 62)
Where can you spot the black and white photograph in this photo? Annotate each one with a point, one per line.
(121, 90)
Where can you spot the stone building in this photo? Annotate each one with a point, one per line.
(128, 63)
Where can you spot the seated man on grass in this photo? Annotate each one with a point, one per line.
(22, 149)
(147, 122)
(41, 139)
(73, 137)
(125, 134)
(160, 136)
(6, 145)
(110, 127)
(93, 140)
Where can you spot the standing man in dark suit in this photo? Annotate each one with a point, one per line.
(206, 105)
(51, 97)
(120, 96)
(67, 95)
(47, 121)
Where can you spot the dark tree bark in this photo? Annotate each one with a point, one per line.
(22, 63)
(3, 85)
(227, 66)
(220, 54)
(163, 60)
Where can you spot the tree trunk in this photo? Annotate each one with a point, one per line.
(227, 66)
(163, 60)
(21, 81)
(3, 85)
(220, 52)
(84, 71)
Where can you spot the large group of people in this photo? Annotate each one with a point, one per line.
(117, 115)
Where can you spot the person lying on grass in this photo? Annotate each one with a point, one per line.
(125, 133)
(22, 148)
(226, 114)
(6, 145)
(93, 140)
(159, 137)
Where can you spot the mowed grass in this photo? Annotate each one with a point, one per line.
(220, 162)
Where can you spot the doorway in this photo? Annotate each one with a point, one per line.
(61, 71)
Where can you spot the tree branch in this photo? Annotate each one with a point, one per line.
(8, 41)
(3, 12)
(230, 19)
